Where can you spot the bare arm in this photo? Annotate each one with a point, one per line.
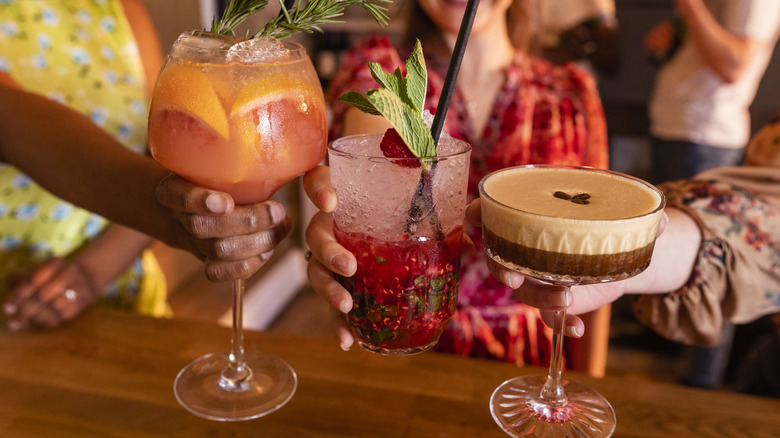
(79, 162)
(673, 259)
(726, 54)
(65, 153)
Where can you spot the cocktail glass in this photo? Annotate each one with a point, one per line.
(244, 118)
(566, 226)
(403, 219)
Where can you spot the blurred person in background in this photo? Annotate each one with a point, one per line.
(580, 31)
(699, 116)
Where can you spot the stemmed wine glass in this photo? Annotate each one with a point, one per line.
(566, 226)
(244, 118)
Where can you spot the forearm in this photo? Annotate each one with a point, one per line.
(673, 259)
(726, 54)
(111, 254)
(68, 155)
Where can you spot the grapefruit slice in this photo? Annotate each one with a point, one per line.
(185, 87)
(271, 114)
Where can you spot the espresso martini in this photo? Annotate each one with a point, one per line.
(572, 225)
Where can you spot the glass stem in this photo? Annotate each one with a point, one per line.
(236, 375)
(553, 392)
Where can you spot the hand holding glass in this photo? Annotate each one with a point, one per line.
(566, 226)
(243, 118)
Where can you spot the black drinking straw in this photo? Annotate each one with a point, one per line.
(424, 193)
(453, 69)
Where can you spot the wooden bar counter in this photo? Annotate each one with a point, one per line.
(110, 374)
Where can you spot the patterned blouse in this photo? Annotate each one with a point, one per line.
(736, 276)
(542, 114)
(82, 54)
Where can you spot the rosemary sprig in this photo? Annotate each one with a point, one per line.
(315, 13)
(295, 19)
(235, 13)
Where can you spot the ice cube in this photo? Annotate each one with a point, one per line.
(202, 46)
(427, 118)
(257, 50)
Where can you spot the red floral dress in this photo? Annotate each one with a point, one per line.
(542, 114)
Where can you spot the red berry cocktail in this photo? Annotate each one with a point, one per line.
(403, 220)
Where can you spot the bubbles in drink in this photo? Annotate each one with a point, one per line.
(256, 51)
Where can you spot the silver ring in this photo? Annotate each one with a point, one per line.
(307, 256)
(70, 295)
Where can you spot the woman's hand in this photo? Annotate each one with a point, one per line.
(233, 241)
(543, 296)
(328, 258)
(549, 298)
(55, 293)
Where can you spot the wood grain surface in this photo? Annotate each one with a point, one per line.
(110, 374)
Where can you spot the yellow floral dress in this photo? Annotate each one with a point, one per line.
(82, 54)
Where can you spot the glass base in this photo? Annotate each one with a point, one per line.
(268, 385)
(516, 407)
(396, 351)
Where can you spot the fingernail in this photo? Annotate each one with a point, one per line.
(572, 331)
(345, 307)
(340, 262)
(514, 280)
(277, 213)
(9, 309)
(344, 347)
(216, 203)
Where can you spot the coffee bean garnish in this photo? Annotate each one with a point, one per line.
(581, 198)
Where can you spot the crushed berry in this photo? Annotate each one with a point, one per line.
(403, 292)
(393, 146)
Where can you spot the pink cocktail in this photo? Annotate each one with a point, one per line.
(244, 118)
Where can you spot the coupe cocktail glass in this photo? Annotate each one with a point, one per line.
(244, 118)
(403, 220)
(567, 226)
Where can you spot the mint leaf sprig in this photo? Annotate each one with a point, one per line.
(401, 101)
(297, 19)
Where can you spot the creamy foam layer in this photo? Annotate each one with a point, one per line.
(621, 214)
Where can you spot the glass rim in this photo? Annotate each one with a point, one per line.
(661, 197)
(339, 152)
(293, 48)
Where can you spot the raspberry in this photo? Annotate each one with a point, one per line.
(394, 147)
